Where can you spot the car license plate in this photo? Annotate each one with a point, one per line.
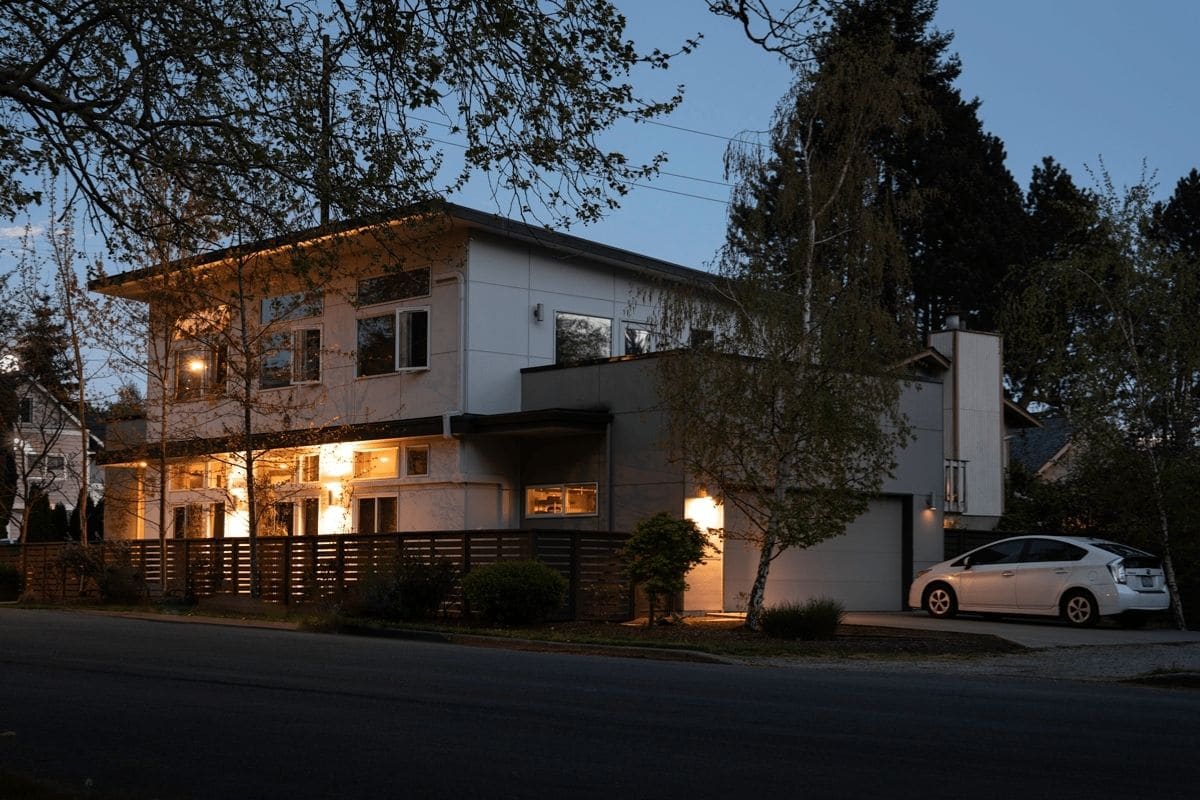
(1147, 581)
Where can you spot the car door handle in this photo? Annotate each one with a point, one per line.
(1062, 571)
(1008, 573)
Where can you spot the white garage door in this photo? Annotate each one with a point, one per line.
(860, 568)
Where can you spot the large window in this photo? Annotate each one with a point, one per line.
(394, 286)
(199, 372)
(291, 357)
(561, 500)
(376, 514)
(393, 342)
(26, 410)
(578, 337)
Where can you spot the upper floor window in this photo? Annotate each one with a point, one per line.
(393, 342)
(291, 357)
(378, 463)
(297, 305)
(639, 340)
(26, 410)
(199, 372)
(416, 459)
(578, 337)
(399, 285)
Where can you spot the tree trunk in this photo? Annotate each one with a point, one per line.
(754, 606)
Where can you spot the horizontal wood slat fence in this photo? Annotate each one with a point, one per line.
(312, 570)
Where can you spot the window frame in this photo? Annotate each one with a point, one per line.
(398, 341)
(213, 374)
(559, 315)
(416, 448)
(376, 500)
(395, 450)
(25, 411)
(296, 349)
(629, 326)
(564, 489)
(400, 296)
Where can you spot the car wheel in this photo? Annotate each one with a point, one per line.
(940, 601)
(1079, 609)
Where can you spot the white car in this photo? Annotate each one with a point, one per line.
(1078, 578)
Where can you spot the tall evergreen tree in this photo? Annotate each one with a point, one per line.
(41, 350)
(969, 227)
(1062, 223)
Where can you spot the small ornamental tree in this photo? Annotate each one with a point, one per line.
(660, 553)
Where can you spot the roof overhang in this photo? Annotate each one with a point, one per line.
(545, 422)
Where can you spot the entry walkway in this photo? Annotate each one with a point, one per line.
(1028, 632)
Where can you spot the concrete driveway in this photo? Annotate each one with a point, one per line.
(1034, 633)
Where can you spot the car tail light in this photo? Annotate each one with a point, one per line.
(1117, 568)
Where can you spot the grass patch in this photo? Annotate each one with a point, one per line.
(22, 786)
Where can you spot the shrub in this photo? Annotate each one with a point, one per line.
(817, 618)
(10, 582)
(412, 590)
(121, 584)
(514, 592)
(659, 554)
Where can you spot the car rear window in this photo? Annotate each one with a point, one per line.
(1123, 550)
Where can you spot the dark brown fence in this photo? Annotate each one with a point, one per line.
(301, 570)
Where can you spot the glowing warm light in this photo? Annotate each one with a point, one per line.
(705, 512)
(196, 365)
(337, 460)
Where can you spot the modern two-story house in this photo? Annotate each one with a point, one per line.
(470, 373)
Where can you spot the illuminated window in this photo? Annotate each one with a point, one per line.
(380, 463)
(309, 467)
(578, 337)
(199, 372)
(416, 459)
(189, 475)
(377, 514)
(561, 500)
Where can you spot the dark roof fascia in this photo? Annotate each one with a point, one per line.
(460, 425)
(1019, 416)
(469, 217)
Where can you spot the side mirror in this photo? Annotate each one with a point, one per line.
(967, 562)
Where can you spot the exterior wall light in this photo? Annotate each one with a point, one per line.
(539, 312)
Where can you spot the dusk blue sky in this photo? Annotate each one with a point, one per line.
(1080, 80)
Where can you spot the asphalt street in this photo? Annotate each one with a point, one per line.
(162, 710)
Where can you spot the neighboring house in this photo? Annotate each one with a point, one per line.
(1046, 452)
(504, 378)
(48, 451)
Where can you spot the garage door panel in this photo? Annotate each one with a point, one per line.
(861, 568)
